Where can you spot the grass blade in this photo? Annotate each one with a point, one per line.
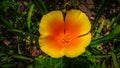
(22, 57)
(5, 22)
(98, 15)
(41, 6)
(116, 65)
(99, 30)
(23, 34)
(29, 17)
(110, 36)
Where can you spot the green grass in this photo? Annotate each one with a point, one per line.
(19, 35)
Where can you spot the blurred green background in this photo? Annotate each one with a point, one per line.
(19, 24)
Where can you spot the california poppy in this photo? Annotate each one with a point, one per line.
(64, 37)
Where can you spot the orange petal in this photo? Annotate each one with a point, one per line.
(51, 24)
(77, 45)
(52, 46)
(52, 29)
(76, 23)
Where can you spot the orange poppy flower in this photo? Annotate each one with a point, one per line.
(67, 37)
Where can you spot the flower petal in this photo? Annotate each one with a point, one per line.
(52, 30)
(76, 23)
(51, 24)
(77, 46)
(52, 46)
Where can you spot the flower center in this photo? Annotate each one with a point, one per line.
(66, 41)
